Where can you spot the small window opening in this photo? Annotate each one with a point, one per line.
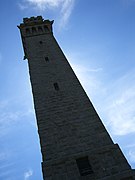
(40, 29)
(56, 86)
(27, 31)
(84, 166)
(46, 29)
(40, 42)
(46, 58)
(34, 30)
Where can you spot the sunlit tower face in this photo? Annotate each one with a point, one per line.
(74, 142)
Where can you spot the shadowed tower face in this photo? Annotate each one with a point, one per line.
(74, 143)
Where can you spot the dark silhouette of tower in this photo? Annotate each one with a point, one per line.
(74, 143)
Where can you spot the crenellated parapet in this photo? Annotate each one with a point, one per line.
(35, 26)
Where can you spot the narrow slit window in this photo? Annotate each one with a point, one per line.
(56, 86)
(46, 58)
(84, 166)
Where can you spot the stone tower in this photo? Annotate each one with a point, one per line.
(74, 143)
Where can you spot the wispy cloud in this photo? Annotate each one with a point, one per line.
(22, 6)
(130, 145)
(63, 7)
(88, 76)
(114, 101)
(82, 69)
(6, 166)
(28, 174)
(10, 116)
(120, 103)
(44, 4)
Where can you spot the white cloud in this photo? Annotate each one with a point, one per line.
(66, 10)
(114, 101)
(22, 6)
(130, 145)
(9, 116)
(64, 7)
(28, 174)
(89, 79)
(119, 103)
(44, 4)
(82, 69)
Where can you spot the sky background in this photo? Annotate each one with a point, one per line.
(98, 39)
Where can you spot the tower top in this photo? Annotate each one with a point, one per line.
(35, 21)
(34, 26)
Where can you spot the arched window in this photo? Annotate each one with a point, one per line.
(40, 29)
(46, 29)
(34, 30)
(27, 31)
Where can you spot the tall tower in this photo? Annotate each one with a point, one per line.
(74, 143)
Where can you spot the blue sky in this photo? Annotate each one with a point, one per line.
(98, 38)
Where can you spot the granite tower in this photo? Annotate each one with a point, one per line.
(74, 143)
